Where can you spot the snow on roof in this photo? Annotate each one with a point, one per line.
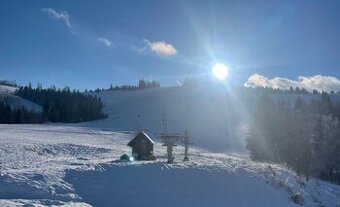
(147, 136)
(142, 133)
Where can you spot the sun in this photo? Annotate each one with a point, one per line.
(220, 71)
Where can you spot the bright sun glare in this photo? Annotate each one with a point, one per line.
(220, 71)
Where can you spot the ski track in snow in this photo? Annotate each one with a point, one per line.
(60, 165)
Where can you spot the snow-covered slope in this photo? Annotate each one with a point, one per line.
(44, 165)
(215, 117)
(17, 102)
(76, 164)
(7, 94)
(7, 89)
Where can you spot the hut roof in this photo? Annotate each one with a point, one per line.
(140, 135)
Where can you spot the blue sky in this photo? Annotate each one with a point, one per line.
(89, 44)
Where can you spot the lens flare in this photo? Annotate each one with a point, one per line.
(220, 71)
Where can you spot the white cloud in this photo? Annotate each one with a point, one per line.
(105, 41)
(161, 48)
(58, 15)
(318, 82)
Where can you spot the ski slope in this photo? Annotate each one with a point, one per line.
(215, 115)
(215, 118)
(16, 102)
(61, 165)
(7, 89)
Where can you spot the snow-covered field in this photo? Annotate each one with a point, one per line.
(77, 164)
(60, 165)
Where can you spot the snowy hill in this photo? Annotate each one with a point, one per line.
(210, 114)
(43, 165)
(77, 164)
(17, 102)
(216, 116)
(4, 89)
(7, 94)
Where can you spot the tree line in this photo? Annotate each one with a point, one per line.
(64, 105)
(290, 90)
(142, 84)
(8, 83)
(304, 135)
(20, 115)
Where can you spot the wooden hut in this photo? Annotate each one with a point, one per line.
(142, 147)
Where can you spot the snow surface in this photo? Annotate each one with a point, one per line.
(215, 118)
(78, 164)
(60, 165)
(7, 89)
(16, 102)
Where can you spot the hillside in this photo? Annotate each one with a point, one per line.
(216, 117)
(16, 102)
(7, 89)
(43, 165)
(206, 111)
(77, 164)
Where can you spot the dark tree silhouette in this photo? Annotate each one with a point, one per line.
(64, 105)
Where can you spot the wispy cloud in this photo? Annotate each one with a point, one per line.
(157, 47)
(139, 50)
(66, 18)
(58, 15)
(161, 48)
(318, 82)
(105, 41)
